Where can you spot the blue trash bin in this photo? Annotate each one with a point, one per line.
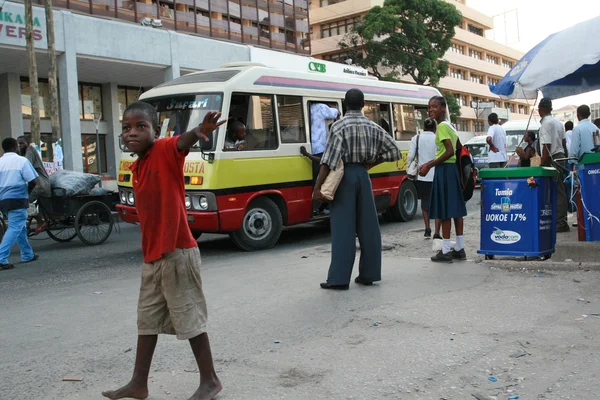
(589, 178)
(518, 212)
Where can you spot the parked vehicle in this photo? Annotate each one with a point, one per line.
(479, 151)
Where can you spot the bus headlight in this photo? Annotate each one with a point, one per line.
(188, 202)
(203, 202)
(123, 196)
(130, 198)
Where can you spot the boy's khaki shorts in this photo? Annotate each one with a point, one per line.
(171, 298)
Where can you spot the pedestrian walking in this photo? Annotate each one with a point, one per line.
(171, 299)
(360, 144)
(447, 202)
(496, 139)
(423, 147)
(17, 180)
(553, 153)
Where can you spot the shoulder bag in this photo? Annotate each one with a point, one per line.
(332, 181)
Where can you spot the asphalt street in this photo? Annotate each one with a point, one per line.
(426, 331)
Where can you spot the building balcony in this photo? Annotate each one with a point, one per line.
(344, 9)
(470, 63)
(487, 44)
(326, 45)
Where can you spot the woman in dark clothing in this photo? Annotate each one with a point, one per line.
(525, 154)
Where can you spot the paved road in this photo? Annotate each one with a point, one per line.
(426, 332)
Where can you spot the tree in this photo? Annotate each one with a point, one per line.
(453, 106)
(405, 37)
(33, 77)
(52, 80)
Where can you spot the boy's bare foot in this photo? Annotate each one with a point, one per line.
(207, 391)
(127, 391)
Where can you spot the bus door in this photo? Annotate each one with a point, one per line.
(310, 101)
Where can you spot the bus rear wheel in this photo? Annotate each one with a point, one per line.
(406, 205)
(261, 226)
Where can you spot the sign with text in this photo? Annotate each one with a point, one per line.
(12, 25)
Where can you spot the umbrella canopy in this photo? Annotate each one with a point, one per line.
(566, 63)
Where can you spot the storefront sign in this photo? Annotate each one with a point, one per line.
(12, 25)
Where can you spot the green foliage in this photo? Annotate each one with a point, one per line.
(452, 105)
(405, 37)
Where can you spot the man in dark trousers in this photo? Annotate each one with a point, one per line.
(360, 144)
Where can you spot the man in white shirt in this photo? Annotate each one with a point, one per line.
(496, 139)
(552, 145)
(583, 134)
(568, 135)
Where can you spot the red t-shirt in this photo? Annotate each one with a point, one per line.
(160, 200)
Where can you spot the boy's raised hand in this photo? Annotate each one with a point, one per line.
(210, 123)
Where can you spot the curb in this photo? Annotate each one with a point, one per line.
(548, 265)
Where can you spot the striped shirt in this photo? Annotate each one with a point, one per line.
(15, 174)
(357, 140)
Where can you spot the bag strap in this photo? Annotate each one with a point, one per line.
(417, 154)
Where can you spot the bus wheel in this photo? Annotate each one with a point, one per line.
(261, 226)
(406, 205)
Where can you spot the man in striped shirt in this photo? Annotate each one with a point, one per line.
(17, 180)
(360, 144)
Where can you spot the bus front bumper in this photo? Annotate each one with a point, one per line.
(200, 221)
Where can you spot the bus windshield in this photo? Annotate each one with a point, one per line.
(179, 114)
(513, 138)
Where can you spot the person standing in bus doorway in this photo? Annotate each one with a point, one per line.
(447, 201)
(171, 299)
(320, 113)
(552, 144)
(496, 139)
(360, 144)
(425, 143)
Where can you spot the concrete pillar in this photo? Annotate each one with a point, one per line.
(173, 71)
(11, 118)
(68, 93)
(110, 111)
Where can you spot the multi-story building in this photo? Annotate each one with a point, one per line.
(475, 61)
(108, 51)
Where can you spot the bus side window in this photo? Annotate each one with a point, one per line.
(256, 112)
(405, 121)
(380, 114)
(291, 120)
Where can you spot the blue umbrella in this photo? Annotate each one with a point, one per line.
(566, 63)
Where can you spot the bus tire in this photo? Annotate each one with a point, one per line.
(261, 226)
(406, 205)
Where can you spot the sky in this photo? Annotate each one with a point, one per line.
(537, 19)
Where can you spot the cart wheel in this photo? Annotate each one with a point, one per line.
(489, 257)
(93, 223)
(62, 235)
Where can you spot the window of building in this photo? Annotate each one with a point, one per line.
(460, 99)
(476, 54)
(126, 96)
(457, 48)
(338, 27)
(291, 119)
(343, 56)
(511, 107)
(406, 121)
(88, 153)
(90, 101)
(380, 114)
(478, 126)
(497, 104)
(507, 64)
(476, 78)
(44, 98)
(462, 125)
(475, 30)
(457, 73)
(522, 109)
(256, 112)
(493, 60)
(492, 81)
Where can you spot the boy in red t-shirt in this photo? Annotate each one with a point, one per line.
(171, 299)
